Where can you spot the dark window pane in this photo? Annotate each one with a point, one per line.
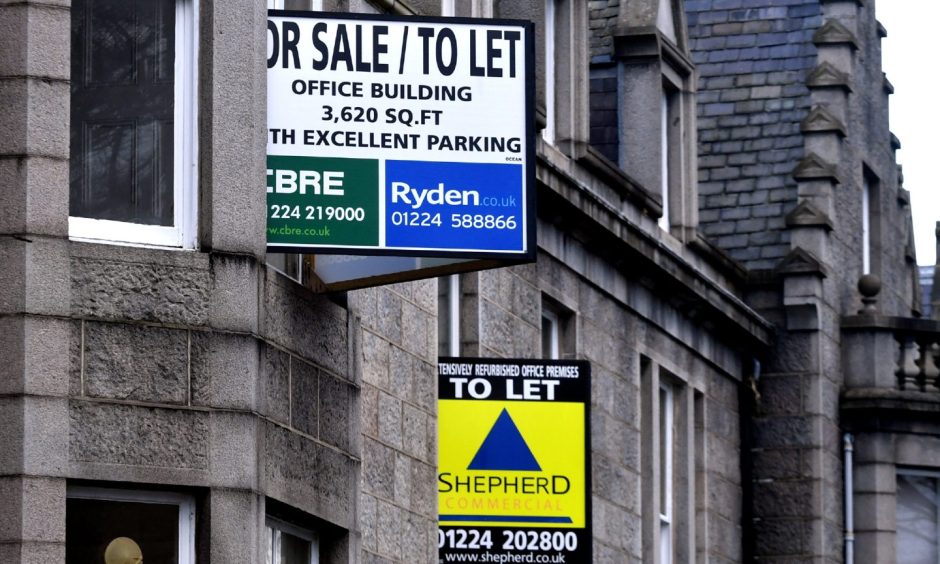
(294, 550)
(605, 132)
(548, 329)
(121, 165)
(91, 524)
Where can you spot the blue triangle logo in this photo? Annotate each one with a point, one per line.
(504, 448)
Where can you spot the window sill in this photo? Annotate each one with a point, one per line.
(108, 232)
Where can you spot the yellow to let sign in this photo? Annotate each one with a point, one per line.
(511, 463)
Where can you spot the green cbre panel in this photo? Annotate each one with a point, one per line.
(323, 201)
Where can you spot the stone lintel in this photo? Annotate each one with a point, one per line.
(637, 44)
(822, 120)
(834, 33)
(813, 167)
(825, 75)
(806, 214)
(645, 44)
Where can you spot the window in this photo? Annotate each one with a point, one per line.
(673, 467)
(448, 315)
(132, 160)
(288, 264)
(871, 230)
(918, 517)
(665, 153)
(549, 132)
(299, 5)
(550, 334)
(558, 333)
(289, 544)
(666, 471)
(866, 227)
(448, 8)
(151, 525)
(643, 111)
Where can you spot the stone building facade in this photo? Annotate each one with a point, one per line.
(714, 177)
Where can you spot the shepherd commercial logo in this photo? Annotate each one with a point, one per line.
(523, 464)
(505, 450)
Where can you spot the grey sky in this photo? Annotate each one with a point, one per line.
(909, 59)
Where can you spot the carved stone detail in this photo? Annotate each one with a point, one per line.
(801, 261)
(834, 33)
(806, 214)
(813, 167)
(827, 76)
(819, 119)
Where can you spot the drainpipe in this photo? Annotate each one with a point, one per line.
(848, 449)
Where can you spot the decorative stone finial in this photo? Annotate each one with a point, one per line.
(869, 286)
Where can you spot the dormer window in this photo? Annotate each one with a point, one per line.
(643, 106)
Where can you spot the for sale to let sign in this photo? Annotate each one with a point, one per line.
(407, 136)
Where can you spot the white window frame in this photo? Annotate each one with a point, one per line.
(183, 232)
(548, 133)
(186, 550)
(666, 445)
(274, 527)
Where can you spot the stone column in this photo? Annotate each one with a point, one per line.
(34, 279)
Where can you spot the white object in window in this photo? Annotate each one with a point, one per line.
(666, 444)
(918, 517)
(448, 325)
(551, 332)
(549, 132)
(133, 109)
(866, 226)
(300, 5)
(665, 20)
(289, 544)
(664, 160)
(162, 523)
(448, 8)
